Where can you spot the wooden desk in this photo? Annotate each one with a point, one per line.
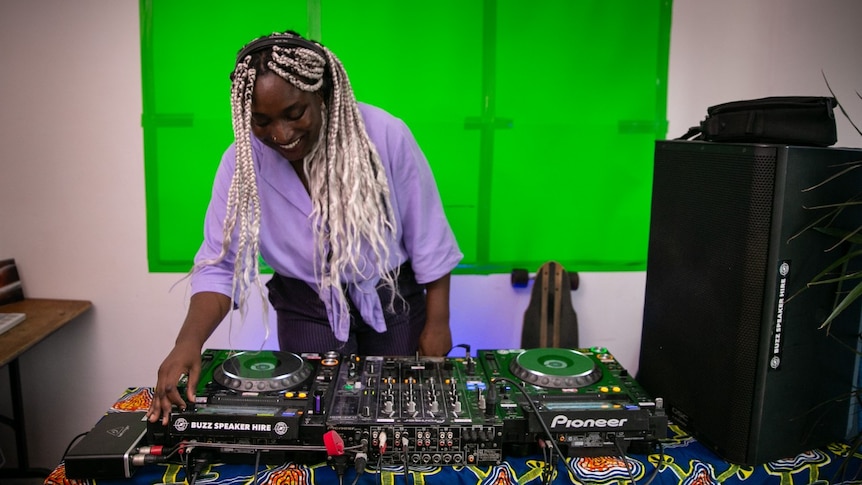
(44, 317)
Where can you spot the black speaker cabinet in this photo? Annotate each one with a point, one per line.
(729, 341)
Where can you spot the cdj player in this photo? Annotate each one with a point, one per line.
(417, 410)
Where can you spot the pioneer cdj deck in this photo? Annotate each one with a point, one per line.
(419, 410)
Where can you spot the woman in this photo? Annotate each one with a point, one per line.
(338, 199)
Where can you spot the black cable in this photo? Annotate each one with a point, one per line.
(340, 465)
(658, 465)
(195, 467)
(254, 476)
(623, 458)
(534, 408)
(463, 346)
(843, 467)
(547, 473)
(380, 468)
(359, 465)
(552, 466)
(72, 443)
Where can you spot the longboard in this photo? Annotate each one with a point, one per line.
(550, 319)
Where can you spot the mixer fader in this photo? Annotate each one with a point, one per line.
(422, 410)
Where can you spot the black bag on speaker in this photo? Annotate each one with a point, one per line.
(740, 364)
(791, 120)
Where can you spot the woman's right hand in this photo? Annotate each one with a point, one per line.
(183, 360)
(206, 310)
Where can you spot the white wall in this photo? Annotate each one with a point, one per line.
(72, 188)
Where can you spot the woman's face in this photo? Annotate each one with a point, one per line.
(284, 117)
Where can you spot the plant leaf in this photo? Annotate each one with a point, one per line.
(843, 304)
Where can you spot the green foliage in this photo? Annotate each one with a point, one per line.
(843, 270)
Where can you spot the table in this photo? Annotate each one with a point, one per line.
(44, 317)
(684, 462)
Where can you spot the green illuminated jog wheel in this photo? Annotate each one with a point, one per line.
(262, 371)
(556, 368)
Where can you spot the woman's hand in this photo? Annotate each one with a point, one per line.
(206, 311)
(183, 360)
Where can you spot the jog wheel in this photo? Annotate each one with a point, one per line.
(556, 368)
(262, 371)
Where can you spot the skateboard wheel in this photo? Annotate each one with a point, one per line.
(575, 280)
(520, 278)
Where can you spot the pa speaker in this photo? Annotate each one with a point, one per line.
(731, 335)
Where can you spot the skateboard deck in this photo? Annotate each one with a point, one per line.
(550, 319)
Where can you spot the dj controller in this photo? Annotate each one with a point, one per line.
(417, 410)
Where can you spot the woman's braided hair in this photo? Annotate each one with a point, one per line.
(347, 183)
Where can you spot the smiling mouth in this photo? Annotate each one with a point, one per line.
(291, 145)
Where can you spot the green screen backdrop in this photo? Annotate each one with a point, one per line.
(538, 118)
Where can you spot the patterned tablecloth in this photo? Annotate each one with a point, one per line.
(683, 462)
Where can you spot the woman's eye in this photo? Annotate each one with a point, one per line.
(295, 114)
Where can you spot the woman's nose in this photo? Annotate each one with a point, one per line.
(281, 133)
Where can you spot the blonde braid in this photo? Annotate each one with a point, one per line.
(243, 201)
(353, 207)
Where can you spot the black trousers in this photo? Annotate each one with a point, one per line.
(303, 325)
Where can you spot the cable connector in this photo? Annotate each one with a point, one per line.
(340, 464)
(381, 442)
(359, 463)
(333, 442)
(140, 459)
(152, 450)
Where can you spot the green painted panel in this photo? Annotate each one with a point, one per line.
(538, 118)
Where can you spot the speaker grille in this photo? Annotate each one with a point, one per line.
(711, 227)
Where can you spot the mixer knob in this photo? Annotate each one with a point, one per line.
(457, 407)
(411, 406)
(387, 406)
(435, 406)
